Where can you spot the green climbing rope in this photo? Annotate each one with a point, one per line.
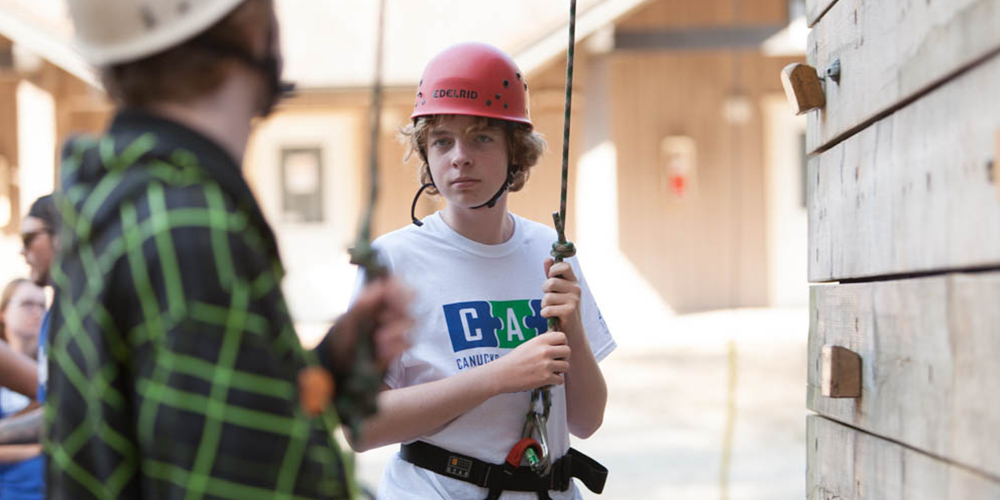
(561, 249)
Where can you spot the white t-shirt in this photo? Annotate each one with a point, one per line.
(474, 304)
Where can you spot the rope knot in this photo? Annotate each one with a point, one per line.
(365, 257)
(563, 250)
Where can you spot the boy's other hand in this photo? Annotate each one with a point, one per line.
(385, 302)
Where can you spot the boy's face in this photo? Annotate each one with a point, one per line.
(468, 159)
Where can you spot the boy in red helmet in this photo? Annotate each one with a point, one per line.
(457, 399)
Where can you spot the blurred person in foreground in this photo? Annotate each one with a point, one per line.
(22, 304)
(173, 356)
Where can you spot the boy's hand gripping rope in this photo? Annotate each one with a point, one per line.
(364, 378)
(536, 422)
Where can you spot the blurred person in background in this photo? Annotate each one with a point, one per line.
(38, 234)
(18, 373)
(40, 242)
(22, 304)
(174, 361)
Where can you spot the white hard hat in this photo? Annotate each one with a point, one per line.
(111, 32)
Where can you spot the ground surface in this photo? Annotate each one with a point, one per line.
(665, 425)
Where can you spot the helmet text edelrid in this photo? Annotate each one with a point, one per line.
(455, 93)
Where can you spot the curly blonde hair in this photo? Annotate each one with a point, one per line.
(524, 146)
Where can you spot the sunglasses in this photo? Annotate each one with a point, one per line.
(28, 238)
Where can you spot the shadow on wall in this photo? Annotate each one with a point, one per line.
(628, 301)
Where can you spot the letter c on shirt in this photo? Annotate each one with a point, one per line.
(464, 314)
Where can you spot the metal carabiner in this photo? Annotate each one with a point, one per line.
(544, 464)
(529, 425)
(537, 423)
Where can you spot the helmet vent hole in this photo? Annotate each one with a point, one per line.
(504, 105)
(489, 102)
(518, 76)
(148, 18)
(506, 83)
(498, 97)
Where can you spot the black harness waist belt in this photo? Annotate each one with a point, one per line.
(504, 477)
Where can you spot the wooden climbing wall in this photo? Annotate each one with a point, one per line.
(904, 248)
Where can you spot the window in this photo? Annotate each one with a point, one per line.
(302, 184)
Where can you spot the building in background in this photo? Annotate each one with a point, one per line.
(687, 188)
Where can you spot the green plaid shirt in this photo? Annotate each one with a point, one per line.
(173, 358)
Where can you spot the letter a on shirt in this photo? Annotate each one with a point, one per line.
(514, 330)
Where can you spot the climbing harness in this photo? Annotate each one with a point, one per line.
(364, 380)
(507, 476)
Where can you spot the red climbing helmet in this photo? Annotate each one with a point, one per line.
(473, 79)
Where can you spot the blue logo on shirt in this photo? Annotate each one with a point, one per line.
(504, 324)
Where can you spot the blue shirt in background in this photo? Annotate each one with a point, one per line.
(25, 480)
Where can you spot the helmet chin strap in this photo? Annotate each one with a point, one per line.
(413, 207)
(500, 192)
(269, 67)
(489, 204)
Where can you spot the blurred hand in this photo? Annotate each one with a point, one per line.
(538, 362)
(385, 303)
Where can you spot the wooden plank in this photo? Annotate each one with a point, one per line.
(892, 51)
(929, 351)
(843, 463)
(660, 14)
(911, 193)
(815, 9)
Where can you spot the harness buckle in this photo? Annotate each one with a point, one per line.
(525, 445)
